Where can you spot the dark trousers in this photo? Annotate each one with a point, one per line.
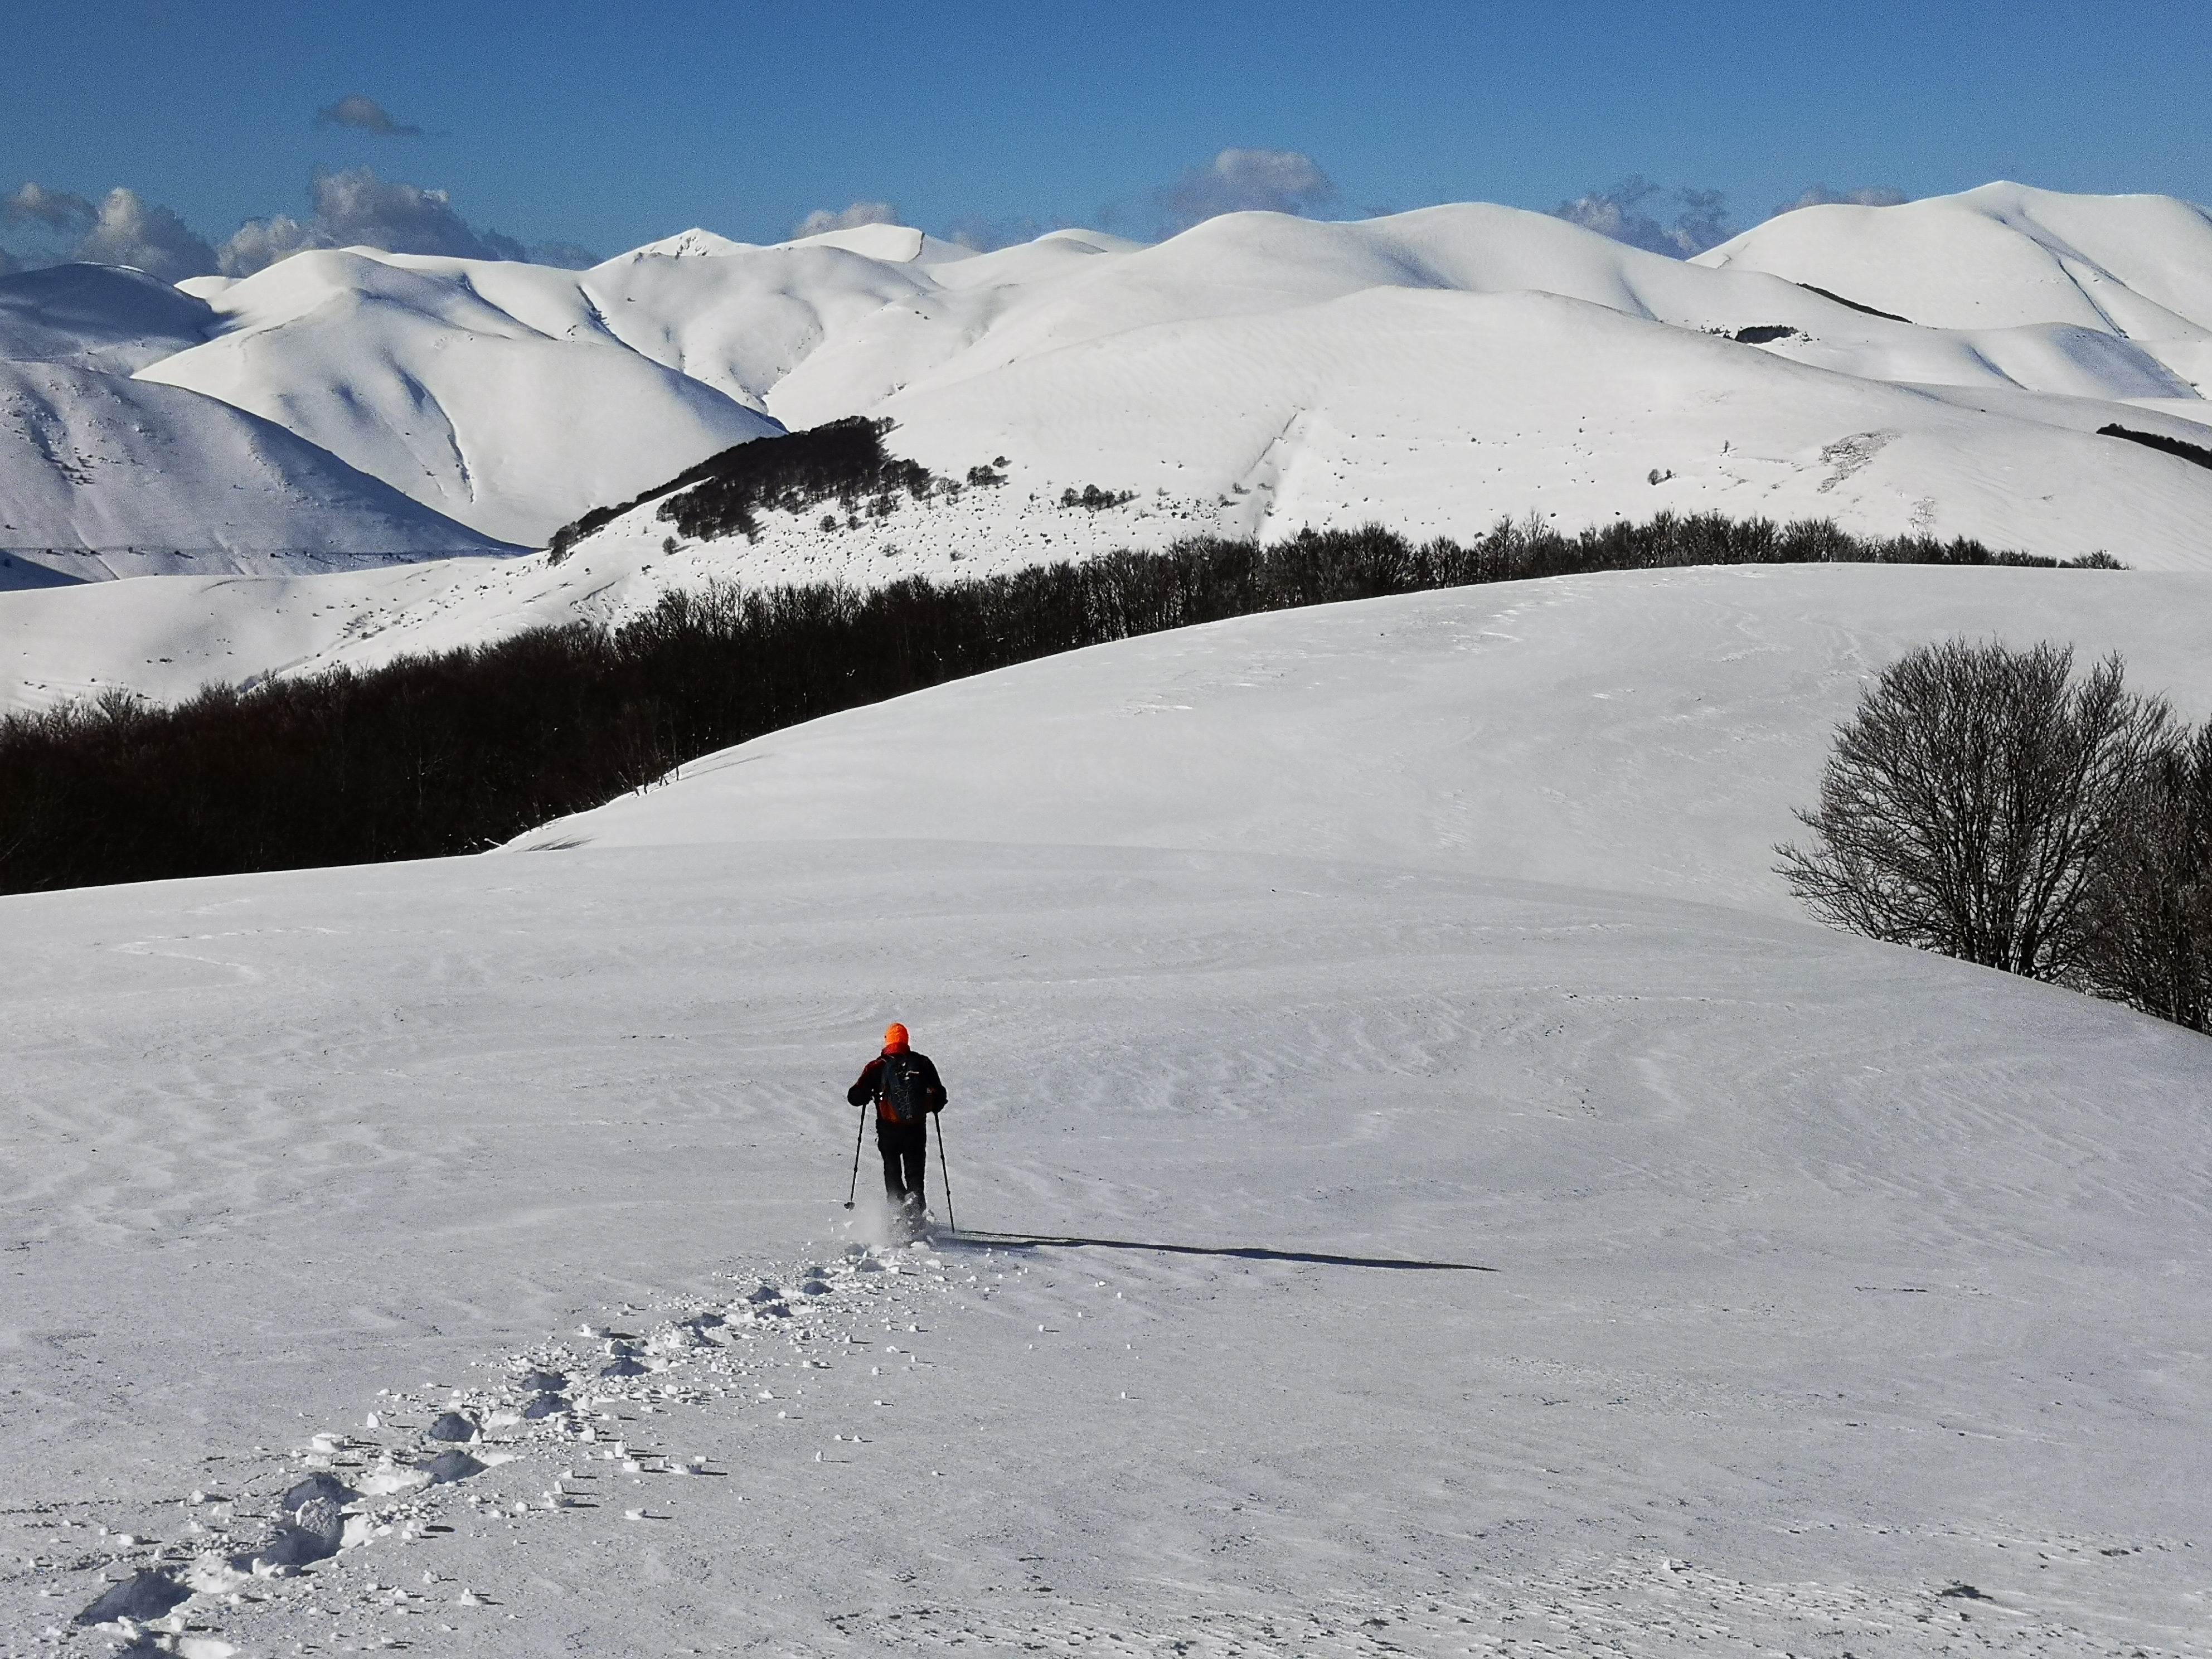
(905, 1147)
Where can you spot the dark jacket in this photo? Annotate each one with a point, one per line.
(871, 1087)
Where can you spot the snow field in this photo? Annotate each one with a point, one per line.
(1648, 731)
(1841, 1276)
(1829, 1281)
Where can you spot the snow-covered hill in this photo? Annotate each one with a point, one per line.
(1645, 731)
(1371, 1247)
(1434, 369)
(512, 396)
(1258, 374)
(2132, 269)
(102, 317)
(504, 395)
(103, 475)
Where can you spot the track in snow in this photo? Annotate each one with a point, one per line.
(661, 1438)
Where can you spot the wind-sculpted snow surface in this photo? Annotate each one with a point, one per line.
(1642, 730)
(1368, 1252)
(1827, 1280)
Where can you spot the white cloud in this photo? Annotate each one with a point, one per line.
(56, 210)
(1241, 180)
(260, 243)
(364, 114)
(859, 213)
(355, 208)
(1821, 196)
(1620, 213)
(128, 231)
(122, 229)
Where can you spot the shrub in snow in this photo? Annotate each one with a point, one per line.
(2149, 930)
(1094, 498)
(1987, 804)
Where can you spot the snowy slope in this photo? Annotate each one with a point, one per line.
(19, 574)
(500, 395)
(102, 317)
(1289, 407)
(1646, 731)
(1433, 370)
(486, 389)
(2136, 269)
(101, 475)
(1824, 1280)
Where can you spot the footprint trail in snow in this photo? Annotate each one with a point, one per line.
(655, 1448)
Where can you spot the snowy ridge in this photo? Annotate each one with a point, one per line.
(2136, 269)
(1262, 374)
(500, 395)
(101, 475)
(1429, 371)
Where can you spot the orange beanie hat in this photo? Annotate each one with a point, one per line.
(894, 1036)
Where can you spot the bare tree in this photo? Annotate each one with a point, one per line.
(1972, 800)
(2151, 913)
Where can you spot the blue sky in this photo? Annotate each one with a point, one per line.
(606, 126)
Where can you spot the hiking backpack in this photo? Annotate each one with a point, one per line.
(904, 1090)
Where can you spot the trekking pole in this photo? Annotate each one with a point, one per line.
(857, 1135)
(945, 1173)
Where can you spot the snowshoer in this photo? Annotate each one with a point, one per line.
(905, 1089)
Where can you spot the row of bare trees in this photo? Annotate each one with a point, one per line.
(1991, 805)
(435, 755)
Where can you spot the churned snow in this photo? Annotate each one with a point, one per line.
(1421, 1188)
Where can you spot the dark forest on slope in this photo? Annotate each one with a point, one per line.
(458, 751)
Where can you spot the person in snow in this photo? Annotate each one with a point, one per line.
(905, 1089)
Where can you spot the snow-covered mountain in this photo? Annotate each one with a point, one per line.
(1258, 374)
(1422, 1190)
(507, 396)
(104, 475)
(1434, 370)
(101, 317)
(2135, 270)
(1317, 368)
